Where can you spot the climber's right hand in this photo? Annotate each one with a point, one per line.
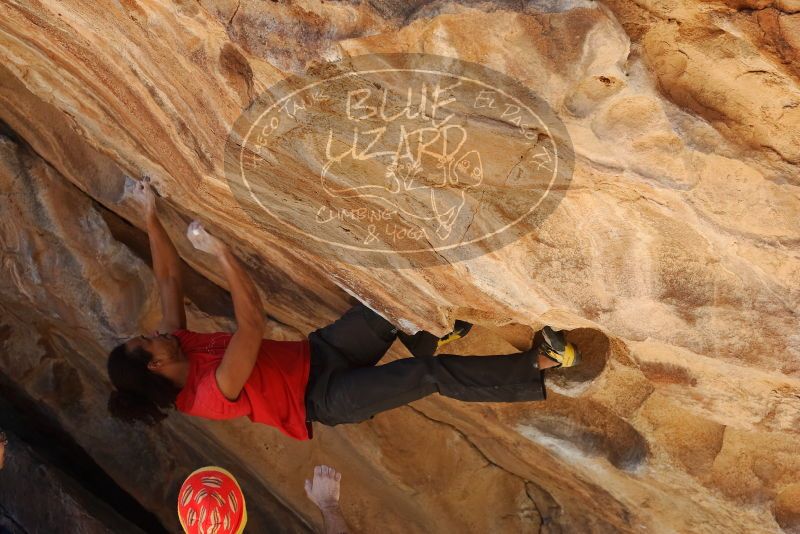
(143, 194)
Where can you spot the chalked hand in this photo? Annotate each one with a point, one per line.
(202, 240)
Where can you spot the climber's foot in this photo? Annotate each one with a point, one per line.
(460, 329)
(424, 344)
(555, 347)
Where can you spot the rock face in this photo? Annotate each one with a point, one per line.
(44, 500)
(672, 258)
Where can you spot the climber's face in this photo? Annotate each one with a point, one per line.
(164, 348)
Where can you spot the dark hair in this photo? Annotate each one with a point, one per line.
(140, 394)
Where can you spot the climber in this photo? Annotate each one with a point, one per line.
(330, 377)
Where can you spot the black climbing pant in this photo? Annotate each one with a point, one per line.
(346, 386)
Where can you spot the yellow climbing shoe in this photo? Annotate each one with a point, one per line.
(556, 347)
(460, 329)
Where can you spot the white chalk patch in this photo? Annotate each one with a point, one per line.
(561, 447)
(407, 326)
(559, 6)
(404, 324)
(129, 190)
(571, 391)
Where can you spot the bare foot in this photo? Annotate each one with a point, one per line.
(202, 240)
(323, 490)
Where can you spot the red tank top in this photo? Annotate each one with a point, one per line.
(273, 395)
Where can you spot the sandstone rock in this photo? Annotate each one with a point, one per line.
(56, 256)
(39, 498)
(672, 257)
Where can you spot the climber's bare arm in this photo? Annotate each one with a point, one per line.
(242, 352)
(166, 262)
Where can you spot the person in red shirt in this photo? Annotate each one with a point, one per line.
(331, 377)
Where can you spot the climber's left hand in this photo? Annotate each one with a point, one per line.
(202, 240)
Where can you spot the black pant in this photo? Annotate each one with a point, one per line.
(346, 386)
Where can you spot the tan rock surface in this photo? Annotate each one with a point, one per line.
(673, 257)
(43, 499)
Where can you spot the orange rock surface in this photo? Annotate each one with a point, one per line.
(673, 258)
